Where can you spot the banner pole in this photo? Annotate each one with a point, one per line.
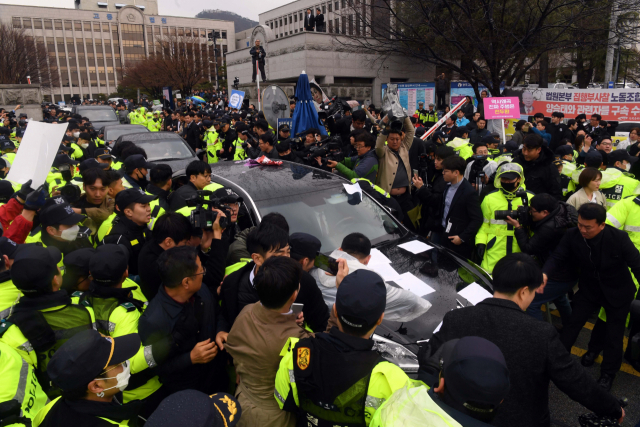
(433, 128)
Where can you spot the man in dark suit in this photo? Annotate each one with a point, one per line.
(309, 21)
(460, 215)
(319, 21)
(532, 349)
(604, 256)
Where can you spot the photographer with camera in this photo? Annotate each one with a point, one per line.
(495, 239)
(199, 175)
(538, 234)
(475, 170)
(394, 169)
(364, 165)
(539, 171)
(266, 147)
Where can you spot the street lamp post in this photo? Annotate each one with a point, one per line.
(213, 35)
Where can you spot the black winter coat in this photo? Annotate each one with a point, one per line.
(546, 236)
(608, 275)
(465, 217)
(540, 175)
(534, 356)
(430, 195)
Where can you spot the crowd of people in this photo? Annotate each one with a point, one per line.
(117, 309)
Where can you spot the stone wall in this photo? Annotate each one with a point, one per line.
(28, 96)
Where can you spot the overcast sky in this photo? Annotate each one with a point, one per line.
(247, 8)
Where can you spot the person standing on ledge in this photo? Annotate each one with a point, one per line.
(319, 21)
(257, 55)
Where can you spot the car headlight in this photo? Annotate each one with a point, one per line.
(396, 353)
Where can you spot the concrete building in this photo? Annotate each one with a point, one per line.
(339, 71)
(90, 48)
(150, 7)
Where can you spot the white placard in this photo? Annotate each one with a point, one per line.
(387, 272)
(37, 150)
(411, 283)
(353, 189)
(378, 257)
(475, 293)
(415, 247)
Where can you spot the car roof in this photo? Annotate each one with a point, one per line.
(272, 182)
(132, 127)
(150, 136)
(93, 107)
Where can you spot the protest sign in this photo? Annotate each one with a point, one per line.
(37, 150)
(237, 96)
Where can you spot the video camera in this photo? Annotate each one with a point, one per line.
(69, 191)
(203, 216)
(327, 149)
(521, 213)
(476, 173)
(333, 108)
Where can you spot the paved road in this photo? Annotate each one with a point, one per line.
(565, 412)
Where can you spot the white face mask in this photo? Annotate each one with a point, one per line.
(70, 234)
(627, 167)
(122, 377)
(85, 145)
(76, 134)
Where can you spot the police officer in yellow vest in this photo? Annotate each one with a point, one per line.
(9, 294)
(45, 317)
(495, 239)
(21, 396)
(211, 141)
(59, 227)
(91, 369)
(617, 183)
(422, 113)
(130, 225)
(346, 355)
(117, 304)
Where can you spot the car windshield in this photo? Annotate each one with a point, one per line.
(102, 115)
(113, 134)
(328, 215)
(175, 149)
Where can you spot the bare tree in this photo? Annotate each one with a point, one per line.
(22, 56)
(180, 58)
(146, 76)
(484, 41)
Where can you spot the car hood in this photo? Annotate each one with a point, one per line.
(447, 284)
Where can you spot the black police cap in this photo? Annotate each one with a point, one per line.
(34, 267)
(196, 409)
(59, 214)
(102, 153)
(76, 265)
(8, 247)
(63, 159)
(304, 245)
(91, 164)
(564, 150)
(132, 195)
(353, 309)
(227, 195)
(137, 161)
(86, 355)
(108, 264)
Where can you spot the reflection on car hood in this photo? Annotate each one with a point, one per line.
(447, 284)
(176, 165)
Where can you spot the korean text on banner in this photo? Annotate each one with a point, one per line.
(237, 96)
(38, 148)
(502, 108)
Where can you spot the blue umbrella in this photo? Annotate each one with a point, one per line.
(305, 115)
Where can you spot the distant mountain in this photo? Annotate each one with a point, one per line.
(241, 23)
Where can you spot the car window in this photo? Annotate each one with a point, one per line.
(113, 134)
(328, 215)
(175, 149)
(106, 115)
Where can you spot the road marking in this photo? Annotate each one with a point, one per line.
(579, 351)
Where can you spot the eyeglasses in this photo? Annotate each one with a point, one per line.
(204, 271)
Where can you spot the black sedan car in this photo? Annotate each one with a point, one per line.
(316, 202)
(112, 132)
(98, 115)
(163, 147)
